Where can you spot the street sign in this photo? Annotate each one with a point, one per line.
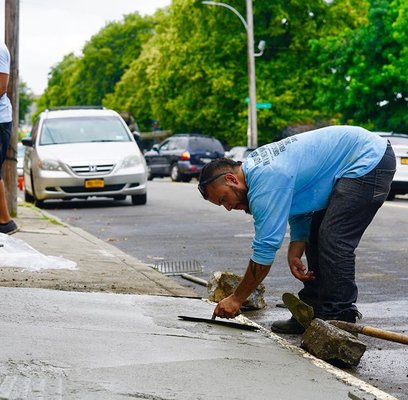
(260, 105)
(263, 105)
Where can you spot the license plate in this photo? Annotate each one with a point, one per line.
(404, 160)
(94, 183)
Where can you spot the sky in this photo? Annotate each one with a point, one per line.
(50, 29)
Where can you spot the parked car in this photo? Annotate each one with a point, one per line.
(80, 152)
(182, 156)
(239, 153)
(399, 143)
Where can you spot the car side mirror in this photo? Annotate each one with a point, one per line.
(136, 135)
(27, 141)
(156, 148)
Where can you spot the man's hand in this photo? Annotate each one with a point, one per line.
(254, 275)
(299, 270)
(228, 307)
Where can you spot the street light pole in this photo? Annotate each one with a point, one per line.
(252, 139)
(252, 122)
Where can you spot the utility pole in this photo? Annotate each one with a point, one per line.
(253, 129)
(252, 133)
(12, 16)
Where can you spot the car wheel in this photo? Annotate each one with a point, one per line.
(175, 173)
(27, 197)
(139, 199)
(391, 196)
(186, 179)
(150, 176)
(38, 203)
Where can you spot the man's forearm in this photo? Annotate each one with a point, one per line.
(296, 249)
(254, 275)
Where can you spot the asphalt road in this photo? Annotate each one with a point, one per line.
(177, 225)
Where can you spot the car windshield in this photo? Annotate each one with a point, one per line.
(83, 130)
(204, 145)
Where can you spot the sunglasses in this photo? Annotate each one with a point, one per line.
(202, 186)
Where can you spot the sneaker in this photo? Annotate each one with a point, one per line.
(289, 326)
(9, 228)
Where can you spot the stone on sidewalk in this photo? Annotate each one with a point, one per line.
(332, 344)
(222, 284)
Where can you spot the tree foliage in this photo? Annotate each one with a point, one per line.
(192, 75)
(25, 99)
(87, 79)
(368, 83)
(58, 92)
(186, 67)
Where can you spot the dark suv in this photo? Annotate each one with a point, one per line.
(182, 156)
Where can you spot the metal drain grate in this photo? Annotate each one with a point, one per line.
(178, 267)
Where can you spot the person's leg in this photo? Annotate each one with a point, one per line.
(310, 292)
(4, 212)
(7, 225)
(352, 206)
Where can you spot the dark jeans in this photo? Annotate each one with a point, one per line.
(5, 133)
(335, 234)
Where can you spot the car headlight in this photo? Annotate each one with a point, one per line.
(49, 165)
(131, 161)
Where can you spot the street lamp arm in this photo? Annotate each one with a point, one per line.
(214, 3)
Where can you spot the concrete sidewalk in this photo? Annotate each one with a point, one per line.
(100, 266)
(61, 344)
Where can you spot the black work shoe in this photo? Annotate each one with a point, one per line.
(289, 326)
(9, 228)
(346, 316)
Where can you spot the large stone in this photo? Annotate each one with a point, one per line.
(332, 344)
(222, 284)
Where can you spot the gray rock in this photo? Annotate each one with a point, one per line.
(332, 344)
(222, 284)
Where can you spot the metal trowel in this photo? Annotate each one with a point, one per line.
(213, 321)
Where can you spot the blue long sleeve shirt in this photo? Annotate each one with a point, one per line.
(290, 179)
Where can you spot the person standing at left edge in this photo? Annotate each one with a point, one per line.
(7, 225)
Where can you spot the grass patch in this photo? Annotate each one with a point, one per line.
(43, 217)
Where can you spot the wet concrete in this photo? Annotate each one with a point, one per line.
(384, 364)
(112, 346)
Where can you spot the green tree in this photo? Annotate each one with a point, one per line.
(192, 75)
(107, 55)
(369, 69)
(25, 99)
(325, 62)
(87, 79)
(59, 90)
(189, 75)
(288, 72)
